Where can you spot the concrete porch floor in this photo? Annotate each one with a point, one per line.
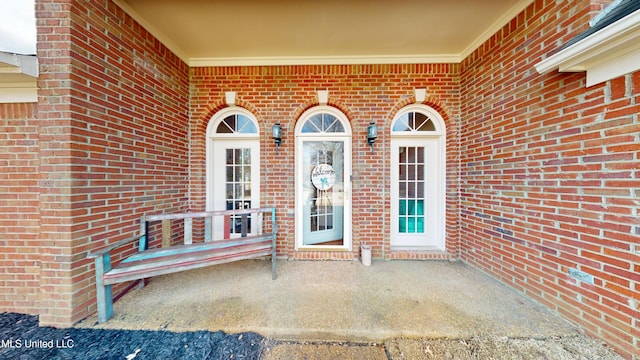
(335, 301)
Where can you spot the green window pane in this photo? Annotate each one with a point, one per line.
(411, 225)
(420, 224)
(402, 225)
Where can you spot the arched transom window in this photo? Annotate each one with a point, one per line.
(417, 120)
(323, 123)
(413, 122)
(236, 123)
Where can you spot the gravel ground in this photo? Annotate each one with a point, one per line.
(21, 338)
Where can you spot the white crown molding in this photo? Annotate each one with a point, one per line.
(604, 55)
(324, 60)
(499, 24)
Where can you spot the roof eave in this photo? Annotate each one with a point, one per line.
(620, 40)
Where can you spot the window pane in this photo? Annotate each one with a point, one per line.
(313, 124)
(402, 123)
(402, 189)
(403, 171)
(420, 225)
(227, 125)
(333, 125)
(427, 126)
(402, 206)
(245, 125)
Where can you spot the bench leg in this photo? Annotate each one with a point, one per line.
(103, 292)
(273, 264)
(142, 283)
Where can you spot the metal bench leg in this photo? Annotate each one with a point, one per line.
(273, 260)
(103, 292)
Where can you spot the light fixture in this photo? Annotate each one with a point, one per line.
(372, 134)
(276, 134)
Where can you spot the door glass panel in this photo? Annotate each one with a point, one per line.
(411, 181)
(238, 185)
(323, 192)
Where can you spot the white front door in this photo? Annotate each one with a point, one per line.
(322, 181)
(235, 180)
(414, 189)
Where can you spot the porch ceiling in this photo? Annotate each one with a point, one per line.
(256, 32)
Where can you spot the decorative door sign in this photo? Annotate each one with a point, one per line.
(323, 177)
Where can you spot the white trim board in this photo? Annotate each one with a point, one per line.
(604, 55)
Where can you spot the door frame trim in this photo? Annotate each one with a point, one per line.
(348, 170)
(212, 137)
(412, 138)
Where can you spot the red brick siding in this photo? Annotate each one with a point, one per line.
(113, 108)
(364, 93)
(19, 209)
(550, 176)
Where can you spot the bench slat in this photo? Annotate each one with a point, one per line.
(183, 249)
(163, 266)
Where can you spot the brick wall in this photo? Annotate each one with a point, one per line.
(364, 93)
(19, 209)
(551, 176)
(113, 142)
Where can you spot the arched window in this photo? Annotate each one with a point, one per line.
(413, 122)
(322, 123)
(237, 123)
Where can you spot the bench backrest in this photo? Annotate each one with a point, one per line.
(234, 223)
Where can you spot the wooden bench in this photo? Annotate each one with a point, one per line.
(237, 243)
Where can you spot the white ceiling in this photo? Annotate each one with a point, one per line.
(254, 32)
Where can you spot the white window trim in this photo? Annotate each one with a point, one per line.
(299, 211)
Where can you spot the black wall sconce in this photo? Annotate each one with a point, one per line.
(372, 134)
(276, 134)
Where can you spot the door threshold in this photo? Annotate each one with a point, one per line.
(323, 248)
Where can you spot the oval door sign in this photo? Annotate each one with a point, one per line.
(323, 177)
